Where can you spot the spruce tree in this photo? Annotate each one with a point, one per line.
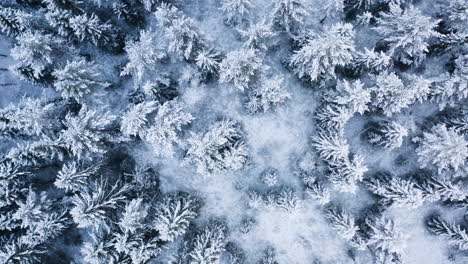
(143, 56)
(457, 235)
(87, 133)
(13, 21)
(208, 245)
(28, 117)
(208, 61)
(166, 131)
(90, 28)
(91, 206)
(290, 14)
(173, 216)
(79, 79)
(352, 95)
(388, 134)
(135, 121)
(320, 56)
(391, 95)
(332, 146)
(240, 67)
(386, 236)
(332, 117)
(346, 173)
(37, 50)
(396, 191)
(407, 33)
(257, 36)
(342, 222)
(74, 176)
(236, 10)
(220, 148)
(443, 148)
(266, 95)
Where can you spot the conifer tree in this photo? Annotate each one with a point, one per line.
(29, 117)
(442, 147)
(37, 50)
(387, 134)
(165, 131)
(352, 95)
(13, 21)
(407, 32)
(342, 222)
(98, 249)
(451, 88)
(38, 225)
(220, 148)
(92, 205)
(320, 56)
(435, 189)
(288, 200)
(60, 19)
(236, 10)
(267, 95)
(135, 241)
(135, 121)
(393, 135)
(269, 256)
(134, 215)
(16, 250)
(11, 185)
(129, 13)
(347, 172)
(332, 147)
(365, 4)
(143, 56)
(87, 132)
(457, 235)
(34, 153)
(148, 4)
(79, 79)
(208, 61)
(32, 209)
(74, 177)
(396, 191)
(72, 5)
(166, 13)
(374, 62)
(334, 7)
(173, 216)
(330, 116)
(257, 36)
(240, 67)
(386, 236)
(318, 192)
(454, 11)
(420, 86)
(290, 14)
(255, 200)
(208, 245)
(270, 177)
(90, 28)
(27, 73)
(390, 94)
(50, 226)
(182, 35)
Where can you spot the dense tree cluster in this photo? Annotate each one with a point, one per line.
(124, 100)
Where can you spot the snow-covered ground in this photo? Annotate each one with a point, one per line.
(279, 139)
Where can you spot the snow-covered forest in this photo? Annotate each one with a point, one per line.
(234, 131)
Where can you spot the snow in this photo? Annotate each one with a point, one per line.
(422, 246)
(275, 139)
